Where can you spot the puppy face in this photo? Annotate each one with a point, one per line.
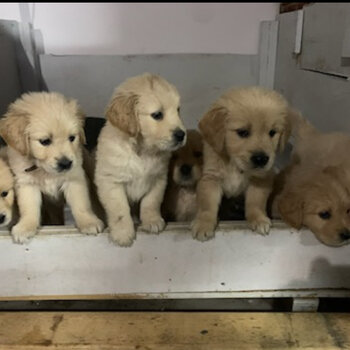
(248, 126)
(147, 107)
(46, 127)
(6, 194)
(186, 163)
(322, 204)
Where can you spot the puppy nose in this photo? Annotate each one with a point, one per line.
(259, 159)
(64, 164)
(2, 218)
(179, 135)
(344, 235)
(185, 169)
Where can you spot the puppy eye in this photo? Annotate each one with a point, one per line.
(178, 109)
(175, 156)
(325, 215)
(272, 133)
(198, 154)
(157, 115)
(242, 133)
(45, 142)
(71, 138)
(4, 194)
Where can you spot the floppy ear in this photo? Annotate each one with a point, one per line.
(81, 116)
(121, 113)
(290, 207)
(77, 110)
(13, 129)
(212, 127)
(284, 137)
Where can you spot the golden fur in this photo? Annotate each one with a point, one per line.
(243, 125)
(133, 152)
(44, 132)
(185, 170)
(316, 184)
(7, 191)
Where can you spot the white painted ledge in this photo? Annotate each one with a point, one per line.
(61, 263)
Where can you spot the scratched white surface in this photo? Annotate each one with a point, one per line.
(60, 261)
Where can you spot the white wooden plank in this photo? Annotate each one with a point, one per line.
(267, 53)
(299, 32)
(237, 263)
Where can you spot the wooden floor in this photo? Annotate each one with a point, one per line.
(180, 331)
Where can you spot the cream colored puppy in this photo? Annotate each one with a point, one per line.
(134, 147)
(7, 195)
(44, 134)
(242, 131)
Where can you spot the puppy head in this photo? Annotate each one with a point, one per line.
(248, 126)
(6, 194)
(322, 204)
(186, 163)
(147, 107)
(47, 128)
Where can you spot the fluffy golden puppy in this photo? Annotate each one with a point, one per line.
(314, 190)
(185, 170)
(133, 151)
(242, 131)
(44, 134)
(7, 195)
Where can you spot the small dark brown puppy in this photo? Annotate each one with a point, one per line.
(185, 170)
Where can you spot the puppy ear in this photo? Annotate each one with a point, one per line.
(13, 129)
(290, 207)
(77, 110)
(212, 127)
(81, 116)
(284, 137)
(121, 113)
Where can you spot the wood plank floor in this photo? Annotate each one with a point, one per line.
(173, 330)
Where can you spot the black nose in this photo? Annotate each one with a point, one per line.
(259, 159)
(179, 135)
(2, 218)
(344, 235)
(185, 169)
(64, 164)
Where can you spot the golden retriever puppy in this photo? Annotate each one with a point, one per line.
(242, 131)
(185, 170)
(133, 151)
(314, 189)
(7, 195)
(44, 134)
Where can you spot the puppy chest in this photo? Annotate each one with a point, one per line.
(234, 183)
(144, 177)
(186, 205)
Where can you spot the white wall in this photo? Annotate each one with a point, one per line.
(10, 11)
(144, 28)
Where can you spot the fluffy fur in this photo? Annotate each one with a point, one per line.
(44, 134)
(7, 194)
(185, 170)
(134, 147)
(242, 132)
(314, 190)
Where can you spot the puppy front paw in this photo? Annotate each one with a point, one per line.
(23, 231)
(122, 233)
(203, 229)
(261, 225)
(153, 225)
(90, 225)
